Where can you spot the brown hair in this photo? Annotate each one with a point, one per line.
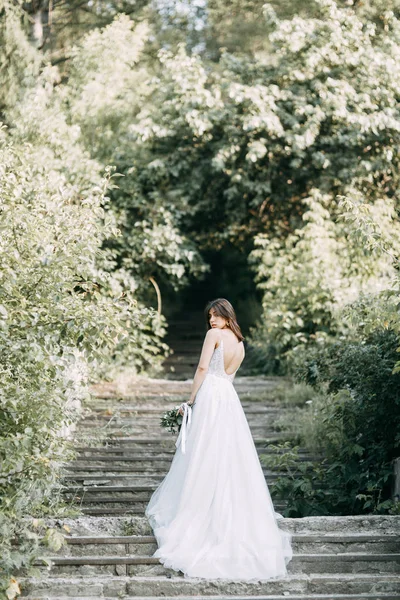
(224, 309)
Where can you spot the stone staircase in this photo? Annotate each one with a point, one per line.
(122, 455)
(185, 337)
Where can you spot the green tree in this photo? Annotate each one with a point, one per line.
(110, 81)
(309, 278)
(19, 62)
(66, 308)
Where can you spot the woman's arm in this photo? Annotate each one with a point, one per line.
(212, 336)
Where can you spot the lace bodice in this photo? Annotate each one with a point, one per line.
(217, 367)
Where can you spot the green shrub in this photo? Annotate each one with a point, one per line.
(314, 274)
(63, 314)
(354, 422)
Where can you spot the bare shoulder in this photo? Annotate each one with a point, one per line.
(212, 334)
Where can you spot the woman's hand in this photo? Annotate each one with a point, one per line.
(181, 409)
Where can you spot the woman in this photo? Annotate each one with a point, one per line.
(212, 514)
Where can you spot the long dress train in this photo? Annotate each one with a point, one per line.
(212, 515)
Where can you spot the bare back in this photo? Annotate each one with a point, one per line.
(233, 351)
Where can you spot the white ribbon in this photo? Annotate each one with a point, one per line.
(186, 420)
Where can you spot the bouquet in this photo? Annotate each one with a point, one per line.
(172, 421)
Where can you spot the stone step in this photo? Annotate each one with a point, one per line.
(132, 508)
(168, 441)
(127, 463)
(373, 596)
(380, 525)
(157, 393)
(81, 468)
(139, 429)
(116, 499)
(115, 468)
(106, 511)
(159, 586)
(153, 423)
(302, 543)
(153, 414)
(183, 347)
(134, 452)
(141, 443)
(154, 442)
(117, 450)
(187, 358)
(154, 420)
(144, 446)
(164, 438)
(98, 406)
(152, 407)
(161, 450)
(185, 351)
(180, 372)
(120, 457)
(116, 479)
(184, 373)
(187, 362)
(126, 488)
(254, 395)
(145, 390)
(109, 546)
(120, 463)
(301, 563)
(120, 434)
(150, 461)
(176, 366)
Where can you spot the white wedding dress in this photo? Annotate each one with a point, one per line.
(212, 515)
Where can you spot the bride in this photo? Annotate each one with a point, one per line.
(212, 515)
